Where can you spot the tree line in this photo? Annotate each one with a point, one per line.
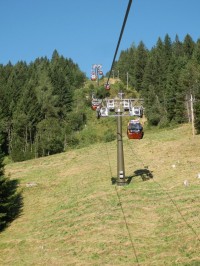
(39, 111)
(166, 76)
(37, 106)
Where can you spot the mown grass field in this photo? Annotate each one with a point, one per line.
(74, 215)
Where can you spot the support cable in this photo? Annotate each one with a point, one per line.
(169, 197)
(122, 210)
(119, 40)
(127, 227)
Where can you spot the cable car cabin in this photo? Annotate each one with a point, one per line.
(126, 104)
(104, 111)
(107, 86)
(100, 72)
(135, 130)
(137, 111)
(93, 77)
(110, 103)
(96, 103)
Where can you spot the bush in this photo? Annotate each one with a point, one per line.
(88, 137)
(109, 136)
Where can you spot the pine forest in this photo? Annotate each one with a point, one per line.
(44, 105)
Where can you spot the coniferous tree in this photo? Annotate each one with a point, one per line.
(126, 65)
(167, 50)
(49, 139)
(25, 119)
(196, 85)
(61, 84)
(131, 66)
(3, 211)
(197, 111)
(189, 78)
(10, 199)
(174, 97)
(196, 52)
(177, 47)
(188, 46)
(149, 92)
(122, 65)
(172, 86)
(152, 85)
(141, 56)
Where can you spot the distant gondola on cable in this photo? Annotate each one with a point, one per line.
(100, 72)
(135, 130)
(93, 76)
(107, 86)
(96, 103)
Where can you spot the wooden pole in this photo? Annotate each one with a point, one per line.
(192, 115)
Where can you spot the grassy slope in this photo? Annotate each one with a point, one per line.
(75, 216)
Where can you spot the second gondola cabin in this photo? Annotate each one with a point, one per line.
(93, 76)
(107, 86)
(135, 130)
(96, 103)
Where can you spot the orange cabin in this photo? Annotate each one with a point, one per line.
(135, 130)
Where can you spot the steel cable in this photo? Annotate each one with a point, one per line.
(119, 40)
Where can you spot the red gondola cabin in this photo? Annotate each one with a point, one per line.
(107, 86)
(96, 103)
(135, 130)
(93, 77)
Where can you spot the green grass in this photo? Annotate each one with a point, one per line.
(75, 216)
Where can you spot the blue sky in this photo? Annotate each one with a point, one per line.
(87, 31)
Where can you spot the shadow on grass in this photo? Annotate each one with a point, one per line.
(113, 180)
(145, 175)
(11, 203)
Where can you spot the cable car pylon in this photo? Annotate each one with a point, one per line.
(121, 178)
(119, 107)
(104, 111)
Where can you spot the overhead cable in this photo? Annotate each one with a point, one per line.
(119, 40)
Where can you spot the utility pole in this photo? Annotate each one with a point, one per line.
(188, 108)
(113, 71)
(192, 114)
(127, 79)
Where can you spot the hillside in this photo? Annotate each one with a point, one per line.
(74, 215)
